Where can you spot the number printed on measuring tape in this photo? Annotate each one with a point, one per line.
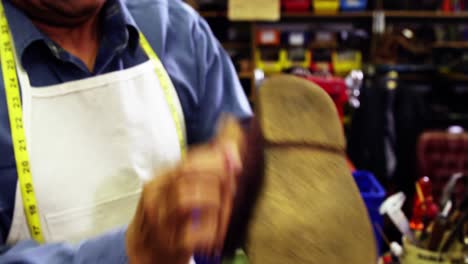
(29, 187)
(15, 115)
(16, 102)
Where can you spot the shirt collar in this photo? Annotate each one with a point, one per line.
(23, 31)
(26, 34)
(116, 13)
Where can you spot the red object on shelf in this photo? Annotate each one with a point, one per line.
(447, 6)
(424, 208)
(296, 5)
(335, 87)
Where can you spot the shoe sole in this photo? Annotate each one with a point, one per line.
(310, 209)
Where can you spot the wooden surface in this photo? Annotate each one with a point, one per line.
(236, 45)
(213, 14)
(427, 15)
(245, 75)
(451, 44)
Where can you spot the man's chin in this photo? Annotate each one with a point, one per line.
(63, 13)
(63, 22)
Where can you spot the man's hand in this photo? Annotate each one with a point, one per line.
(188, 208)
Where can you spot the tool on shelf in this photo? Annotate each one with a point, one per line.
(392, 207)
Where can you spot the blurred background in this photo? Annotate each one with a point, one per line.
(397, 71)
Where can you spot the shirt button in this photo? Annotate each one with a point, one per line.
(54, 50)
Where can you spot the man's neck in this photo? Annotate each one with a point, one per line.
(82, 41)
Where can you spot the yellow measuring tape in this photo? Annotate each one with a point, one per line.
(169, 92)
(18, 136)
(15, 113)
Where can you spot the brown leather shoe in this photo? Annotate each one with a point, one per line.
(305, 206)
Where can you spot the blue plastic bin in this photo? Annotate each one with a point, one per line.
(353, 5)
(373, 194)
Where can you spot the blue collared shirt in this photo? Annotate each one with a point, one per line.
(200, 69)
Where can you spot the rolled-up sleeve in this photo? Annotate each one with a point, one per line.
(108, 248)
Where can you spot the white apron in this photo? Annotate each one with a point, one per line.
(92, 143)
